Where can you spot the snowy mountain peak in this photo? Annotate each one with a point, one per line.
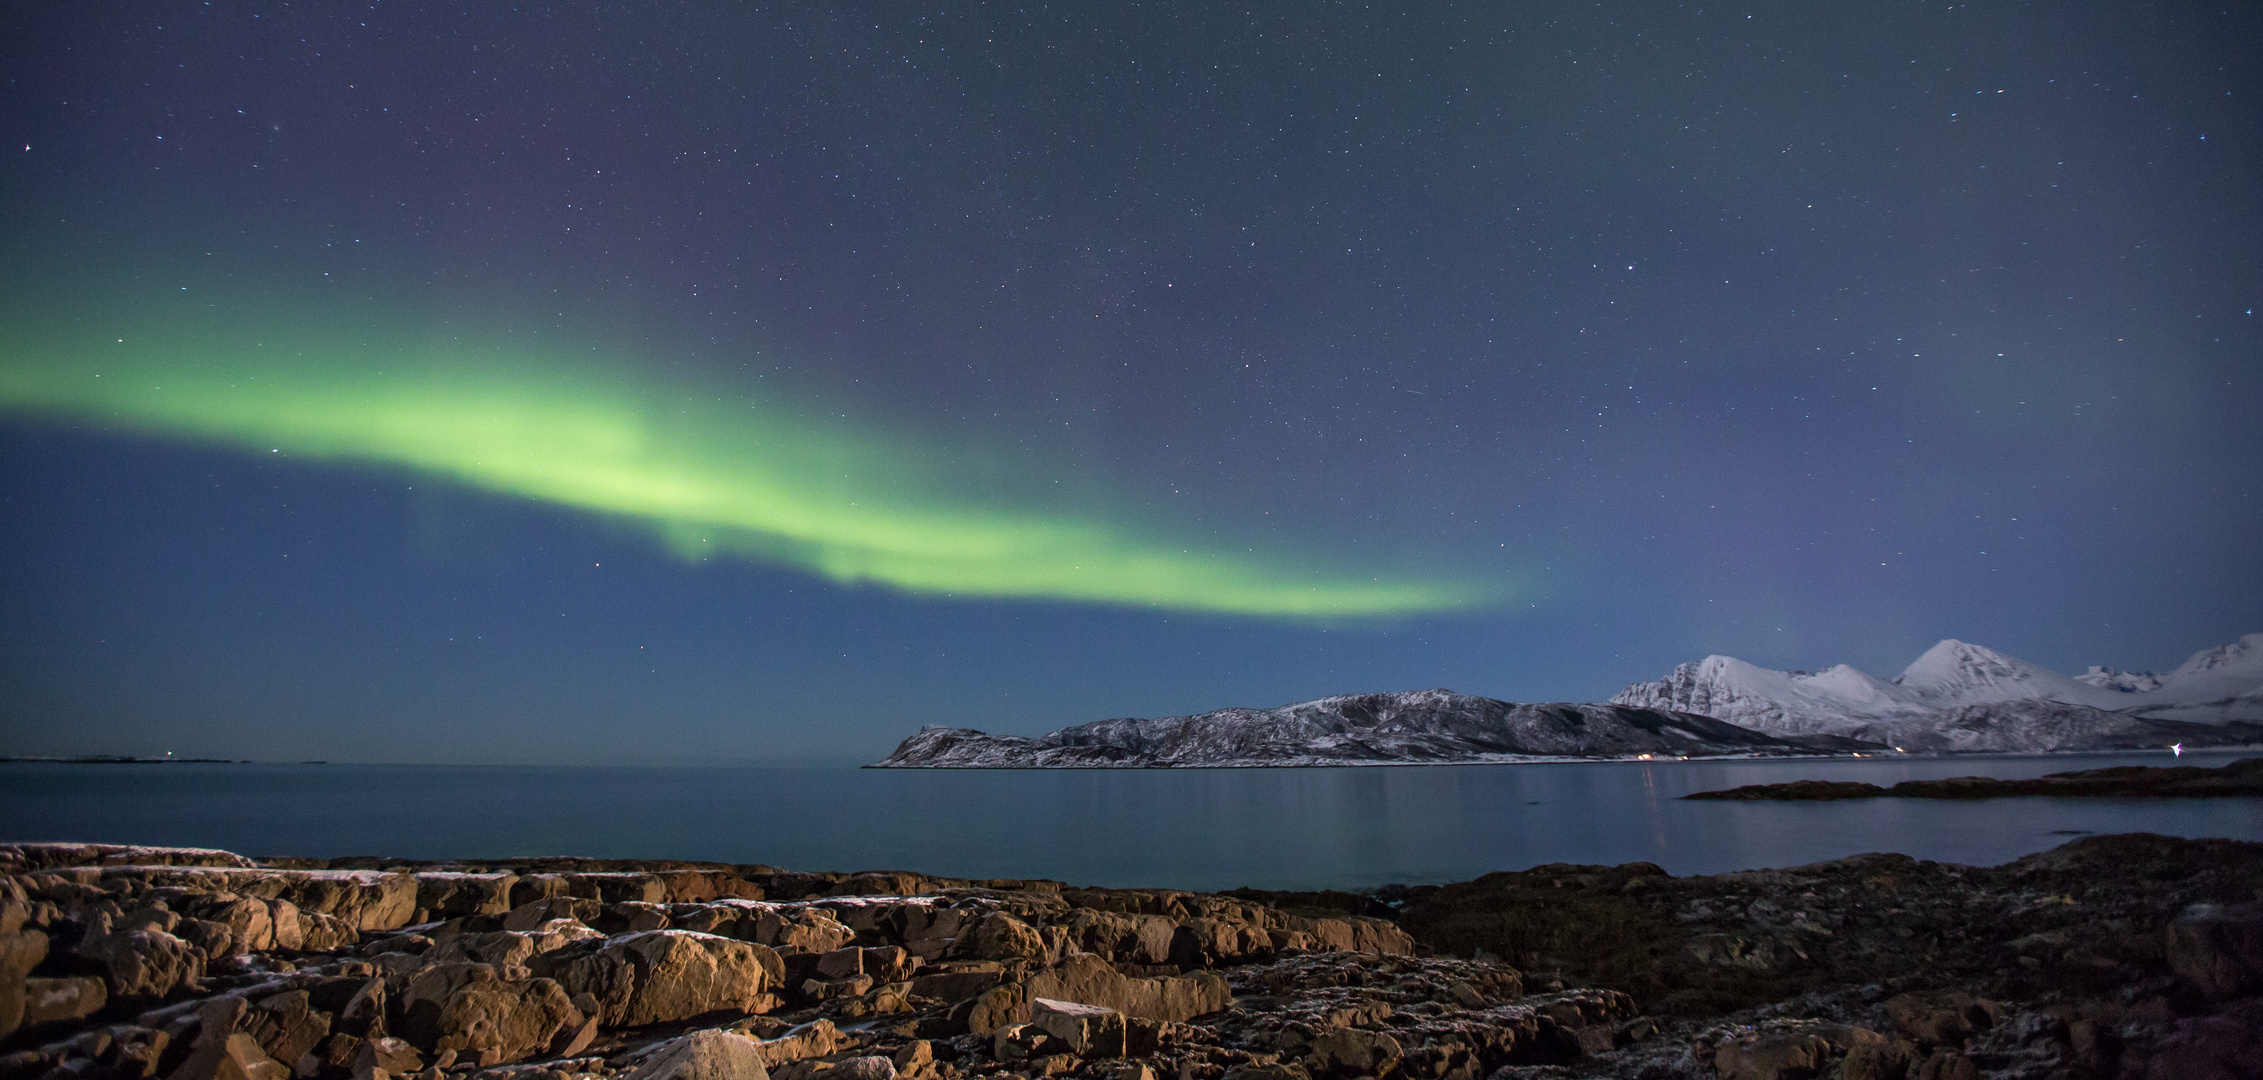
(1968, 688)
(1962, 672)
(2244, 654)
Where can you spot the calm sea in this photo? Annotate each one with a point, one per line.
(1192, 829)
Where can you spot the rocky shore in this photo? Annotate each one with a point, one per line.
(2240, 778)
(2115, 956)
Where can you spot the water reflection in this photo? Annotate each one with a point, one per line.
(1205, 829)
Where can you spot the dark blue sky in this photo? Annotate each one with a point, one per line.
(1646, 331)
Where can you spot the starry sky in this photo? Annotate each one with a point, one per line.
(719, 383)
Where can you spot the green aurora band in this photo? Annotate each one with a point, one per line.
(708, 476)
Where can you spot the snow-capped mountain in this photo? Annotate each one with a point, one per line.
(1960, 696)
(1428, 726)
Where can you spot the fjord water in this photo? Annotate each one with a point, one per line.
(1190, 829)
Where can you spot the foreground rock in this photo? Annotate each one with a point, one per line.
(2111, 956)
(2132, 956)
(148, 963)
(2243, 777)
(1431, 726)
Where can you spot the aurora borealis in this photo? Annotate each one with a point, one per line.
(732, 383)
(709, 477)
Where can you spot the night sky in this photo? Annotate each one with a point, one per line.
(719, 383)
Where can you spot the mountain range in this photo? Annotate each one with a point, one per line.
(1416, 727)
(1956, 698)
(1964, 697)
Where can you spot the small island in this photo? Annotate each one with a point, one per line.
(2242, 777)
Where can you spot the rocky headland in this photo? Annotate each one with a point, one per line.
(2240, 778)
(1417, 727)
(2137, 956)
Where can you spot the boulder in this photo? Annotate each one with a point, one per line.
(363, 899)
(914, 1057)
(1207, 942)
(59, 1001)
(235, 1057)
(445, 894)
(1087, 1030)
(20, 951)
(15, 906)
(664, 975)
(288, 931)
(250, 921)
(1000, 936)
(1946, 1065)
(928, 930)
(503, 948)
(834, 989)
(537, 914)
(705, 1055)
(394, 1056)
(1023, 1042)
(363, 1014)
(692, 886)
(868, 1067)
(1871, 1056)
(136, 1053)
(841, 964)
(285, 1025)
(956, 986)
(632, 917)
(468, 1009)
(210, 938)
(997, 1007)
(1942, 1018)
(415, 1015)
(144, 963)
(615, 887)
(1089, 980)
(1351, 934)
(325, 933)
(156, 916)
(1784, 1056)
(814, 1039)
(217, 1018)
(334, 1055)
(809, 930)
(889, 963)
(1355, 1051)
(2218, 949)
